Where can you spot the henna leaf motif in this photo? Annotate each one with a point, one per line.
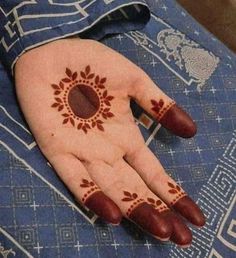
(61, 85)
(154, 102)
(100, 127)
(83, 75)
(107, 102)
(97, 79)
(129, 197)
(157, 106)
(86, 183)
(68, 72)
(91, 76)
(84, 129)
(65, 120)
(151, 200)
(178, 188)
(74, 76)
(80, 126)
(171, 185)
(87, 70)
(173, 191)
(60, 107)
(55, 105)
(103, 80)
(72, 121)
(66, 80)
(161, 103)
(104, 94)
(55, 87)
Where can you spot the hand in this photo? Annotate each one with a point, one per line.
(75, 95)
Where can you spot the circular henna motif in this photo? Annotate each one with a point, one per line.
(83, 102)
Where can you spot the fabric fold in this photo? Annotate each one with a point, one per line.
(28, 24)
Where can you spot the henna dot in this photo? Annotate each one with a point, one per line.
(83, 199)
(91, 83)
(85, 195)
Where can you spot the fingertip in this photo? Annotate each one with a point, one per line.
(179, 122)
(190, 210)
(181, 235)
(104, 207)
(151, 221)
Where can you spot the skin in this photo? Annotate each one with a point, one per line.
(77, 104)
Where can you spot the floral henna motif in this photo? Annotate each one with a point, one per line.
(131, 197)
(177, 191)
(83, 100)
(158, 204)
(92, 188)
(159, 108)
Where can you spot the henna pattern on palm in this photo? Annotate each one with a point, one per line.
(83, 100)
(92, 188)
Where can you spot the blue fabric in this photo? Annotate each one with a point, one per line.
(39, 217)
(27, 24)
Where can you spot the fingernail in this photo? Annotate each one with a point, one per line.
(151, 221)
(181, 234)
(104, 207)
(190, 210)
(179, 122)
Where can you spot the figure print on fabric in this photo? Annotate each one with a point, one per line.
(83, 100)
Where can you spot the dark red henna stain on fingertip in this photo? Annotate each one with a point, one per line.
(190, 210)
(151, 221)
(178, 122)
(84, 101)
(104, 207)
(181, 234)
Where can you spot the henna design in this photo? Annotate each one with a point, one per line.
(158, 204)
(175, 190)
(159, 109)
(91, 185)
(131, 197)
(84, 101)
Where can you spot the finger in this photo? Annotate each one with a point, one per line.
(163, 108)
(152, 172)
(75, 176)
(127, 190)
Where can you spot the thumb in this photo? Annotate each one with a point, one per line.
(162, 108)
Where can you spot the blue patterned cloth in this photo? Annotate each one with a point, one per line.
(40, 218)
(27, 24)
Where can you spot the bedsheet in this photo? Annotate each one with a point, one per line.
(38, 215)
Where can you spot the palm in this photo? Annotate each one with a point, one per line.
(86, 130)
